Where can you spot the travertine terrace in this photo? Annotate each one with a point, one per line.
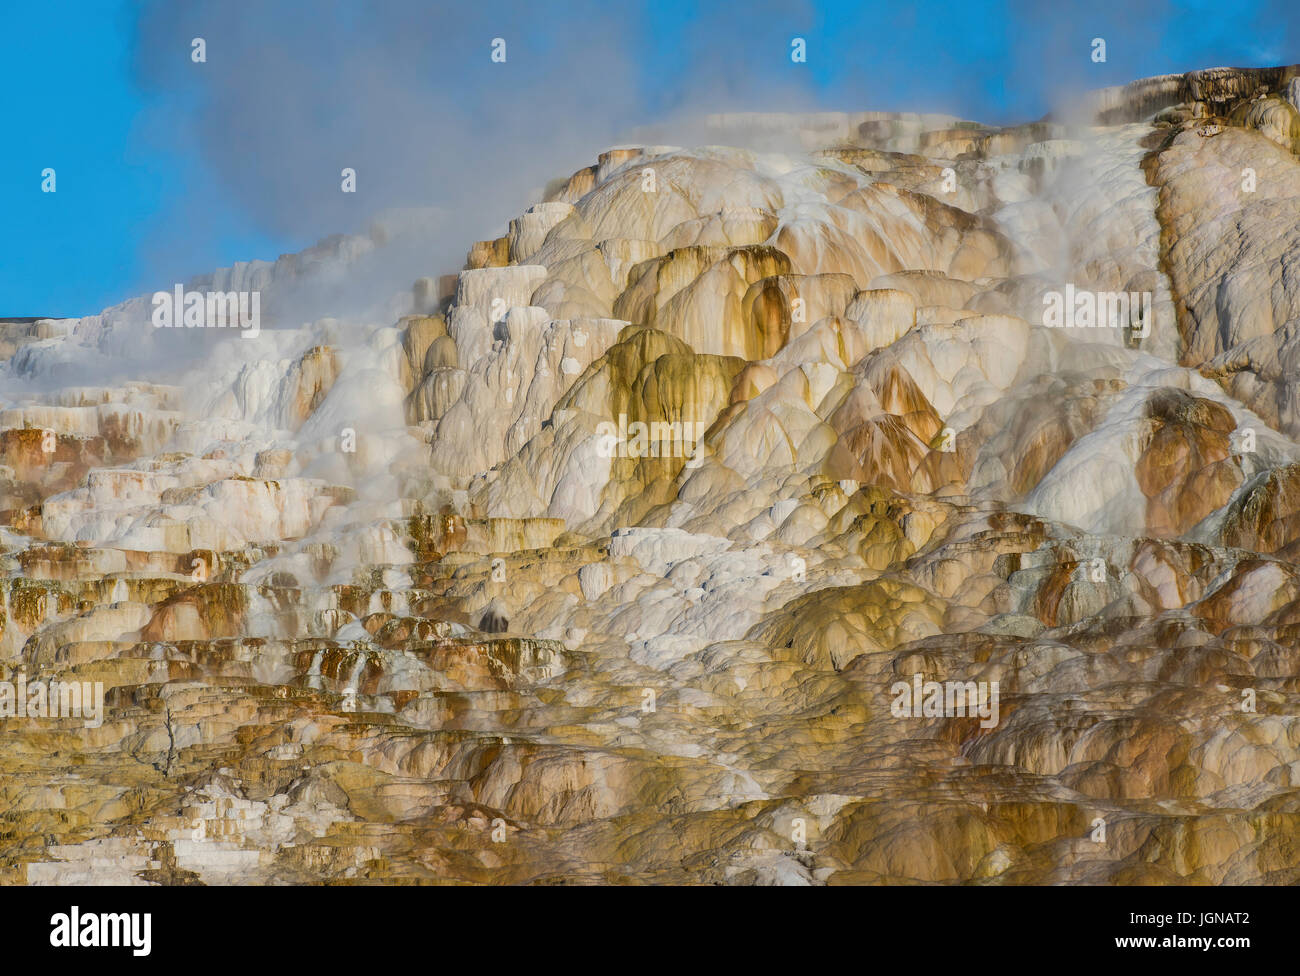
(372, 600)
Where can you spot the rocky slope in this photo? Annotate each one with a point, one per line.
(414, 597)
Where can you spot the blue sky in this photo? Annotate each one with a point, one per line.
(104, 92)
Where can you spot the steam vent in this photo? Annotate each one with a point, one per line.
(896, 499)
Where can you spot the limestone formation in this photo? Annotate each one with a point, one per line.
(635, 553)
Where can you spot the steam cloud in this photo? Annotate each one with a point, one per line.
(405, 93)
